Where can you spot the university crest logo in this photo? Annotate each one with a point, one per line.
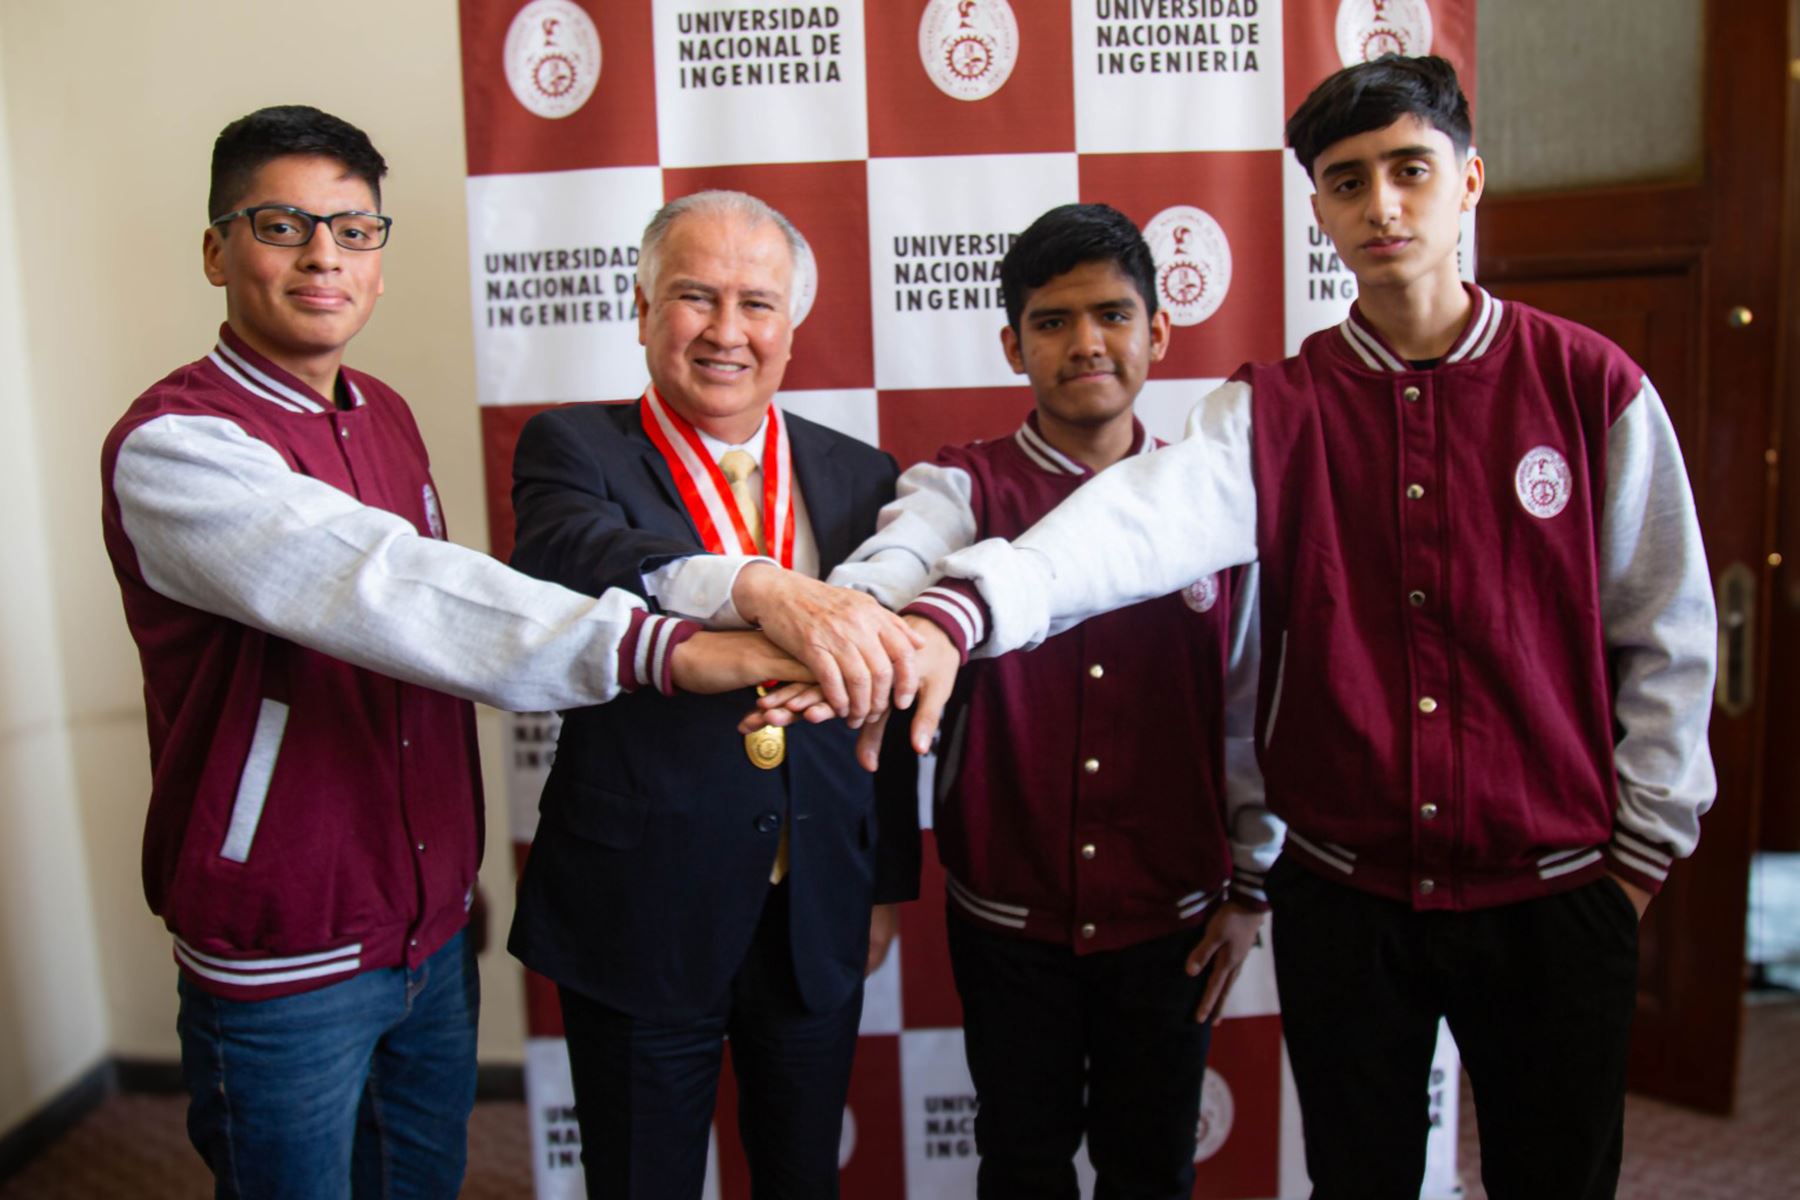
(1368, 29)
(1193, 263)
(552, 57)
(1216, 1113)
(1543, 482)
(1201, 594)
(968, 47)
(434, 515)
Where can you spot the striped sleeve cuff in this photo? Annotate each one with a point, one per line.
(1638, 859)
(646, 648)
(956, 607)
(1247, 890)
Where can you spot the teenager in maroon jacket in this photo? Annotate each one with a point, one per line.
(310, 644)
(1099, 809)
(1488, 650)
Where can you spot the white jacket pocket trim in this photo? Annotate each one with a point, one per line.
(253, 784)
(1275, 698)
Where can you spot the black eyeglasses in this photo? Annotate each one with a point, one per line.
(283, 225)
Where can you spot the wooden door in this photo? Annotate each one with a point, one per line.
(1780, 813)
(1687, 279)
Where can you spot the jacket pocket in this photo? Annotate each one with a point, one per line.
(602, 815)
(253, 783)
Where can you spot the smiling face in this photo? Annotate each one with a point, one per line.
(298, 306)
(1392, 200)
(1086, 342)
(717, 331)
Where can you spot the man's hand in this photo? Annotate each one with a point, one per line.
(884, 922)
(857, 650)
(1640, 899)
(1230, 933)
(937, 666)
(724, 662)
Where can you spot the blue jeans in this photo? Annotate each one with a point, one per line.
(359, 1089)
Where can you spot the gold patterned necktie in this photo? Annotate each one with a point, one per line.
(737, 466)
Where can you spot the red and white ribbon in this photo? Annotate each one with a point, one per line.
(707, 495)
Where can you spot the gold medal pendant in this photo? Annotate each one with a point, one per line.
(767, 747)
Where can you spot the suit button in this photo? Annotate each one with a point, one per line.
(1091, 766)
(1428, 810)
(1088, 931)
(1411, 394)
(1426, 887)
(768, 822)
(1414, 492)
(1416, 599)
(1088, 850)
(1427, 705)
(1096, 671)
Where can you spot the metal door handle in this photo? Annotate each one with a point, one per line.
(1736, 686)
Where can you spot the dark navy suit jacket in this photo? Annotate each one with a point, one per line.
(651, 861)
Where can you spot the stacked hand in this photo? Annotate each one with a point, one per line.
(860, 653)
(934, 668)
(724, 662)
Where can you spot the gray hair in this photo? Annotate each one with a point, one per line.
(750, 209)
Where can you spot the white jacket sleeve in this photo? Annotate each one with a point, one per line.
(1254, 832)
(699, 587)
(931, 515)
(219, 522)
(1661, 630)
(1144, 527)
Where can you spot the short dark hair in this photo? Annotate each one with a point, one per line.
(1375, 94)
(1066, 237)
(250, 142)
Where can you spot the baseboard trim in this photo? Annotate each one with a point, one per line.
(149, 1076)
(161, 1077)
(61, 1113)
(500, 1081)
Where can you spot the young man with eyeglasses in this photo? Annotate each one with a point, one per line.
(310, 644)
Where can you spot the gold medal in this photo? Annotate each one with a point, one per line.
(767, 747)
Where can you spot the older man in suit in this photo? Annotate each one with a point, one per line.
(689, 882)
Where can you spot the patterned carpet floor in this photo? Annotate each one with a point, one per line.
(135, 1146)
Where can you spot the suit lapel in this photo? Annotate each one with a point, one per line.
(654, 465)
(825, 487)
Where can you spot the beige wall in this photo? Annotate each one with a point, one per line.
(107, 115)
(52, 1012)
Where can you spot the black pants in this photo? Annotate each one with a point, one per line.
(645, 1091)
(1041, 1026)
(1539, 997)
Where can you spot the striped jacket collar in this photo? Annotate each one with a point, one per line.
(261, 378)
(1037, 448)
(1476, 339)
